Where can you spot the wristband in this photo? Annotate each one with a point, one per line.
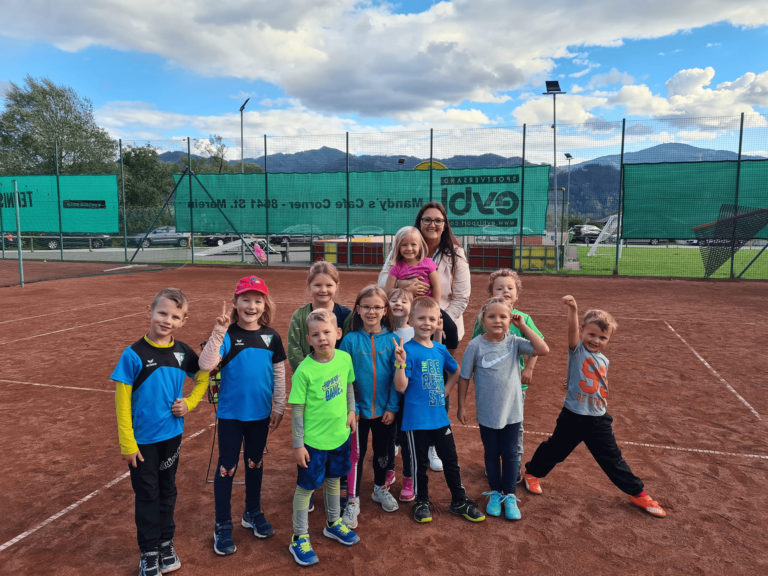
(399, 366)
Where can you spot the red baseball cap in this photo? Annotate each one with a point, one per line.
(251, 283)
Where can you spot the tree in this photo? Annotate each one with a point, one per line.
(212, 158)
(40, 113)
(148, 181)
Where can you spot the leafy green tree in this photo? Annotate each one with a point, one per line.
(148, 181)
(40, 113)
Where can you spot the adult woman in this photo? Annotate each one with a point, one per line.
(452, 265)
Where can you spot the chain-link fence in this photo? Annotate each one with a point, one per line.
(639, 198)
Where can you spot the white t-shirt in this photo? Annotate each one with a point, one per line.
(405, 333)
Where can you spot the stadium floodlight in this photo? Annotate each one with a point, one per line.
(553, 89)
(400, 163)
(242, 143)
(568, 195)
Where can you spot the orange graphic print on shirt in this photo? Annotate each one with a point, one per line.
(597, 376)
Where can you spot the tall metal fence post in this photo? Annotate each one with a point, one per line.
(736, 199)
(349, 238)
(554, 182)
(522, 204)
(266, 198)
(620, 211)
(18, 231)
(191, 214)
(58, 200)
(431, 160)
(122, 188)
(2, 232)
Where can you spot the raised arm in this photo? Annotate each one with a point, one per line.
(210, 356)
(540, 347)
(573, 321)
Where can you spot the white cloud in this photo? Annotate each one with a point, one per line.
(575, 89)
(713, 45)
(580, 73)
(612, 77)
(242, 95)
(347, 56)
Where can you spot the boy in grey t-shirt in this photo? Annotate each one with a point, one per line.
(583, 417)
(493, 360)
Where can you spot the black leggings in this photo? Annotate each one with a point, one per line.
(381, 434)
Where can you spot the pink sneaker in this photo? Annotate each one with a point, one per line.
(406, 494)
(390, 478)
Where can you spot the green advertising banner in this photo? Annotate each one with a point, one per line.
(88, 204)
(482, 201)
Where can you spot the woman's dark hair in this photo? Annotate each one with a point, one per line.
(447, 239)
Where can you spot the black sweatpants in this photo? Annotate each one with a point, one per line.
(233, 434)
(597, 433)
(400, 439)
(154, 483)
(419, 442)
(381, 435)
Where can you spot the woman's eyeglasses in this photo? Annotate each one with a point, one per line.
(435, 221)
(376, 309)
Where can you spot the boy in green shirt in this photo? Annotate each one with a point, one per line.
(322, 416)
(505, 283)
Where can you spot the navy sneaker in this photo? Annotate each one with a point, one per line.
(258, 523)
(467, 509)
(301, 550)
(223, 544)
(149, 565)
(169, 560)
(422, 512)
(341, 533)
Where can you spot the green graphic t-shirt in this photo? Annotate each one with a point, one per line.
(322, 388)
(480, 329)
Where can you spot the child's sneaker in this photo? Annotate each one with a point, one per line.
(422, 511)
(258, 523)
(311, 503)
(532, 484)
(351, 512)
(301, 550)
(223, 544)
(383, 497)
(407, 494)
(169, 560)
(467, 509)
(493, 508)
(434, 461)
(341, 533)
(390, 477)
(149, 565)
(511, 511)
(650, 506)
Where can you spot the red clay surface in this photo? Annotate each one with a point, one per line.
(37, 270)
(60, 445)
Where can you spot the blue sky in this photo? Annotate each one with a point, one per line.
(322, 67)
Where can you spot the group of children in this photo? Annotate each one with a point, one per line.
(376, 370)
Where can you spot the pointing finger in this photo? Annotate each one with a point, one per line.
(223, 308)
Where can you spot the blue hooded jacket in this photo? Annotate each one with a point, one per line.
(373, 357)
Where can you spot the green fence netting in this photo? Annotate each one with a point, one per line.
(479, 201)
(89, 204)
(667, 201)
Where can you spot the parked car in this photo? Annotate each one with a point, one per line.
(496, 235)
(297, 233)
(162, 235)
(585, 233)
(51, 240)
(651, 241)
(364, 232)
(220, 239)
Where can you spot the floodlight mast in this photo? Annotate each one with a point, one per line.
(553, 89)
(242, 143)
(568, 197)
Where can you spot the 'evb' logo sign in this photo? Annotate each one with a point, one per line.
(487, 200)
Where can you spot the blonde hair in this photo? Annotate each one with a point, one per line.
(505, 273)
(603, 320)
(172, 294)
(322, 315)
(401, 235)
(266, 316)
(372, 290)
(495, 300)
(425, 302)
(399, 292)
(323, 267)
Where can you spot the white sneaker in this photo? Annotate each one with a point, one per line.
(434, 462)
(383, 497)
(351, 512)
(397, 449)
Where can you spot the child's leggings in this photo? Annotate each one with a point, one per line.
(402, 440)
(381, 434)
(301, 505)
(233, 434)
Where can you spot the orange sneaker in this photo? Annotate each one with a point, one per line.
(650, 506)
(532, 484)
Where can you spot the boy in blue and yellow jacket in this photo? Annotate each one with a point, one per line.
(371, 345)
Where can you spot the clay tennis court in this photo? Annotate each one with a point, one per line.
(689, 399)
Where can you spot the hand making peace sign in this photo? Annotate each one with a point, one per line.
(226, 315)
(399, 351)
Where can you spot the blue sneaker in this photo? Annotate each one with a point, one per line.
(493, 508)
(511, 511)
(258, 523)
(302, 551)
(340, 532)
(223, 544)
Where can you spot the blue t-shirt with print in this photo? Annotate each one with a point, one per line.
(424, 399)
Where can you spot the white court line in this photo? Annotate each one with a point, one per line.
(56, 386)
(81, 501)
(124, 267)
(69, 310)
(747, 404)
(678, 448)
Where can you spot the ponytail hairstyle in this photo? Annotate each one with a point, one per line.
(387, 320)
